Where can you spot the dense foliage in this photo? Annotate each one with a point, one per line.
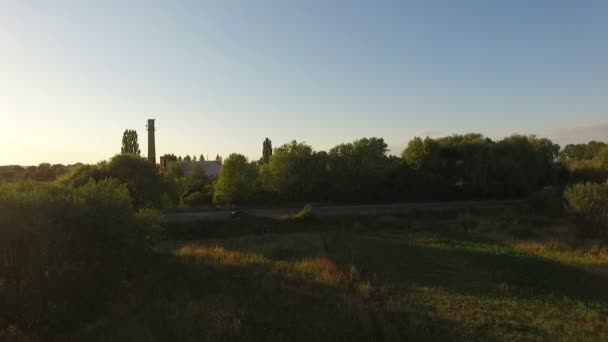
(44, 172)
(236, 181)
(65, 251)
(455, 167)
(590, 202)
(141, 178)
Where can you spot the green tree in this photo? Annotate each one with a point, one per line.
(141, 178)
(236, 181)
(290, 173)
(187, 158)
(578, 152)
(416, 154)
(266, 151)
(129, 142)
(359, 169)
(143, 182)
(218, 159)
(193, 158)
(201, 158)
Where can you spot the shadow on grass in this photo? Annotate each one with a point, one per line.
(460, 266)
(199, 299)
(271, 308)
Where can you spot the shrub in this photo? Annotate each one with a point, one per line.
(589, 201)
(546, 202)
(522, 231)
(197, 199)
(505, 219)
(305, 212)
(148, 226)
(386, 221)
(65, 251)
(13, 334)
(145, 186)
(467, 221)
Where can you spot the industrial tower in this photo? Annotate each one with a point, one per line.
(151, 142)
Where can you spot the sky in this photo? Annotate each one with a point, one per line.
(220, 76)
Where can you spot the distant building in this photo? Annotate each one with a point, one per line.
(211, 168)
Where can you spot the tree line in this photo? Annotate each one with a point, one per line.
(44, 172)
(456, 167)
(468, 166)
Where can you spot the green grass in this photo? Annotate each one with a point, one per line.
(382, 279)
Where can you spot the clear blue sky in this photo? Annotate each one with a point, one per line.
(220, 76)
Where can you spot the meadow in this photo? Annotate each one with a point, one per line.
(508, 277)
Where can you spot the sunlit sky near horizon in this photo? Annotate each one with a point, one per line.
(220, 76)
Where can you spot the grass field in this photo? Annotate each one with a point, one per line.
(374, 279)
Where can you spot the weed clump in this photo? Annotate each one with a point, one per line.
(506, 219)
(467, 221)
(546, 202)
(305, 213)
(522, 231)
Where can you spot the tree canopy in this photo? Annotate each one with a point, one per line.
(129, 142)
(236, 181)
(266, 151)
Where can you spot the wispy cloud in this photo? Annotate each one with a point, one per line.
(580, 134)
(431, 133)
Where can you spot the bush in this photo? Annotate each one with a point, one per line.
(386, 221)
(589, 201)
(522, 231)
(505, 219)
(64, 252)
(546, 202)
(198, 199)
(148, 226)
(145, 186)
(305, 212)
(467, 221)
(13, 334)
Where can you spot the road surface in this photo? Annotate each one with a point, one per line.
(342, 210)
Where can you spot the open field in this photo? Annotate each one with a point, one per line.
(376, 278)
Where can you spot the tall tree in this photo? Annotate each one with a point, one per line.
(129, 142)
(201, 158)
(291, 172)
(187, 158)
(266, 151)
(416, 153)
(194, 157)
(359, 168)
(236, 180)
(218, 158)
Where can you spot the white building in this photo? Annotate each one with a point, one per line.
(210, 167)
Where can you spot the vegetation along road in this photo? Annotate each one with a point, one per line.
(341, 210)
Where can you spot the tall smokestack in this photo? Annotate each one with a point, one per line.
(151, 142)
